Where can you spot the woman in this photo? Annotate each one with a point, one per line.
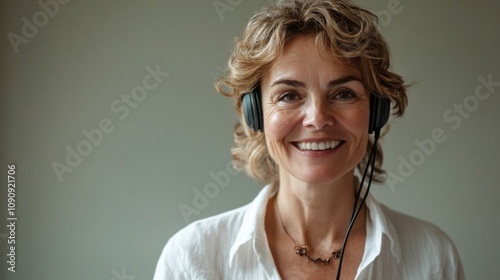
(310, 79)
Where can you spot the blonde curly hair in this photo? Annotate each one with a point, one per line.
(345, 30)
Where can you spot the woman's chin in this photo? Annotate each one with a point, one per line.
(320, 178)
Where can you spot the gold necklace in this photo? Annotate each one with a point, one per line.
(303, 250)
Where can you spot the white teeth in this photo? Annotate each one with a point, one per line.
(314, 146)
(318, 146)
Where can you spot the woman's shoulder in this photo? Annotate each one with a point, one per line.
(227, 224)
(422, 249)
(203, 230)
(412, 227)
(423, 245)
(198, 250)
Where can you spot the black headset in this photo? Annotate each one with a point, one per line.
(251, 105)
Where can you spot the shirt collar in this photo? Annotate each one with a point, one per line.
(253, 223)
(378, 226)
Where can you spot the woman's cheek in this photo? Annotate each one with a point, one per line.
(277, 126)
(357, 119)
(279, 123)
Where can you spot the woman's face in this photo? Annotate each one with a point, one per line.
(316, 113)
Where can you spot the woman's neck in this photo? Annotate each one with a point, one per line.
(317, 215)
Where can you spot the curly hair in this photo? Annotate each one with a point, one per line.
(341, 28)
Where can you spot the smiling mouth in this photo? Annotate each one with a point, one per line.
(318, 146)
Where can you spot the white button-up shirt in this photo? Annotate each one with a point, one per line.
(233, 245)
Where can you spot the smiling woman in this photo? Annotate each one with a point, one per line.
(311, 80)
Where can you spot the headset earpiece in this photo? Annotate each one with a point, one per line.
(252, 109)
(380, 109)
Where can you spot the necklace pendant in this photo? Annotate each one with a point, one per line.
(319, 260)
(304, 251)
(336, 254)
(301, 250)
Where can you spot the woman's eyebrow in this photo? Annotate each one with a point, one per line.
(289, 82)
(331, 84)
(343, 80)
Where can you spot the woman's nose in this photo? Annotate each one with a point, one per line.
(318, 114)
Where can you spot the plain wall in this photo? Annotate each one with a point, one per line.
(110, 217)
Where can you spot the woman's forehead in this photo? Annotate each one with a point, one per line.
(301, 58)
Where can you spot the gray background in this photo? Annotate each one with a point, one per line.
(111, 216)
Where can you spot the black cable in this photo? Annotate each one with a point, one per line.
(356, 209)
(358, 192)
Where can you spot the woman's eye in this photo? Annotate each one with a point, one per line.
(288, 97)
(345, 94)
